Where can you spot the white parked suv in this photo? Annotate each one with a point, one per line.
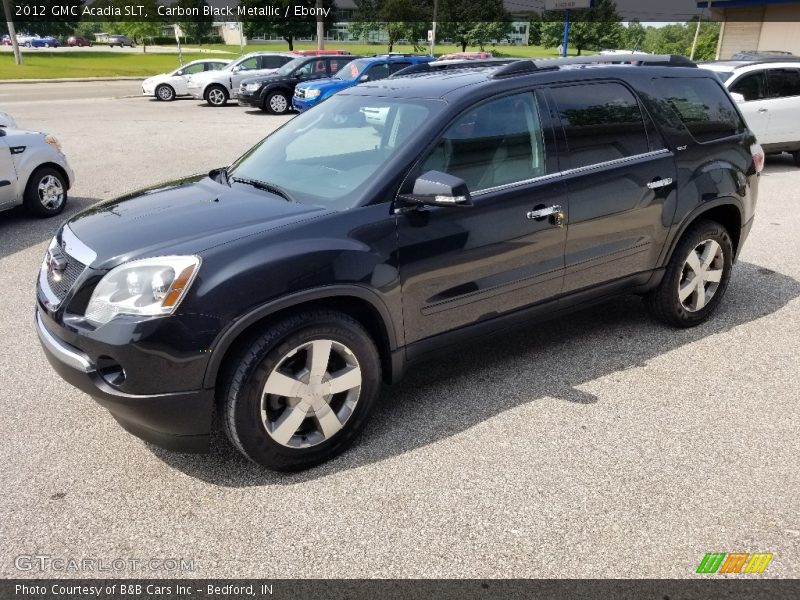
(767, 91)
(168, 86)
(33, 172)
(217, 87)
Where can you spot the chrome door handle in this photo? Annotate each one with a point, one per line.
(555, 213)
(544, 212)
(659, 183)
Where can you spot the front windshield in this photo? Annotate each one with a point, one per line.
(351, 70)
(290, 66)
(328, 156)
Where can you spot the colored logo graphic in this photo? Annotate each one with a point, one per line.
(734, 562)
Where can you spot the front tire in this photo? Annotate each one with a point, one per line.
(277, 103)
(165, 93)
(696, 277)
(299, 393)
(796, 157)
(46, 193)
(216, 95)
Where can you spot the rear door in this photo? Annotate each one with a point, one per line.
(783, 85)
(756, 105)
(619, 181)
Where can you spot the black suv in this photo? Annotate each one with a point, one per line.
(393, 220)
(273, 93)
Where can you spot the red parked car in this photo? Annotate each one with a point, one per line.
(78, 41)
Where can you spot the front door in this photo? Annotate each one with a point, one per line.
(462, 265)
(8, 176)
(755, 108)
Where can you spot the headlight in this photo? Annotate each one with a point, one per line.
(53, 141)
(313, 93)
(150, 287)
(252, 87)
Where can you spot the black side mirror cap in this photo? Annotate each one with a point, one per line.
(435, 188)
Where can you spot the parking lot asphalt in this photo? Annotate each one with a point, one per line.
(599, 445)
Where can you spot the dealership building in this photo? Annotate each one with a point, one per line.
(762, 25)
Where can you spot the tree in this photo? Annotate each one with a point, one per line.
(398, 19)
(199, 28)
(634, 35)
(473, 22)
(595, 28)
(535, 30)
(289, 28)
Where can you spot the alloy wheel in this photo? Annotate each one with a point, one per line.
(216, 97)
(701, 275)
(311, 393)
(278, 103)
(51, 192)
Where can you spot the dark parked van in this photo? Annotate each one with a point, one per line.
(390, 222)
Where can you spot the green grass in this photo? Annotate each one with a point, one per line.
(51, 65)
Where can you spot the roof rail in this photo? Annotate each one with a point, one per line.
(651, 60)
(447, 65)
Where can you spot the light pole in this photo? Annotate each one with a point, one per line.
(320, 26)
(12, 33)
(433, 28)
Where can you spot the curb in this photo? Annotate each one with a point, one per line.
(72, 79)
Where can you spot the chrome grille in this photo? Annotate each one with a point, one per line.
(300, 93)
(61, 283)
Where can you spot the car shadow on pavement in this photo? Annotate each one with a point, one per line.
(779, 163)
(19, 230)
(476, 382)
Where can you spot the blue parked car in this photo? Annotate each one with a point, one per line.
(357, 71)
(43, 42)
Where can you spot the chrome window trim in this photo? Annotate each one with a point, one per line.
(575, 171)
(76, 248)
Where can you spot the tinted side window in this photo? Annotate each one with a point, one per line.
(273, 62)
(214, 66)
(338, 63)
(395, 67)
(703, 106)
(783, 82)
(192, 69)
(752, 86)
(378, 72)
(493, 144)
(602, 122)
(249, 64)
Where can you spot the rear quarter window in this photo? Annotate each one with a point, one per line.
(703, 106)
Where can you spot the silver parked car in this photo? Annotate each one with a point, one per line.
(33, 172)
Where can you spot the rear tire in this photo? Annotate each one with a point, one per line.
(301, 391)
(46, 193)
(696, 277)
(216, 95)
(796, 157)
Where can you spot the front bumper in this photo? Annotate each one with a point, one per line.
(177, 421)
(301, 105)
(250, 98)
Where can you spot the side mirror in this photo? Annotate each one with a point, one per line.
(235, 69)
(364, 77)
(435, 188)
(738, 98)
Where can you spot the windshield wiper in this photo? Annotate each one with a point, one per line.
(267, 187)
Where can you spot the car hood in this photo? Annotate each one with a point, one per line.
(187, 216)
(326, 84)
(274, 78)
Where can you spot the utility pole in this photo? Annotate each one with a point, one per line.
(12, 33)
(694, 43)
(565, 43)
(433, 29)
(320, 26)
